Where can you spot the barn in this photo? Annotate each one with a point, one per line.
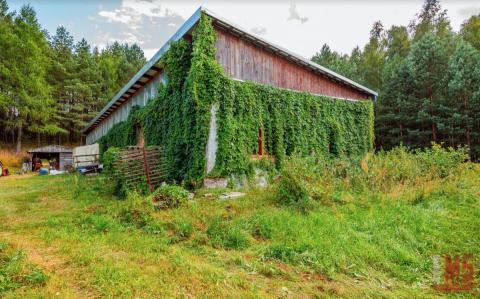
(301, 106)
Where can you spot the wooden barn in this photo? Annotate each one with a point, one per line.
(244, 56)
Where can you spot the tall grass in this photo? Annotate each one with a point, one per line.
(325, 180)
(10, 158)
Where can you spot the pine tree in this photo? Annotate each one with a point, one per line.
(398, 42)
(431, 19)
(30, 94)
(7, 66)
(373, 57)
(462, 75)
(61, 75)
(470, 31)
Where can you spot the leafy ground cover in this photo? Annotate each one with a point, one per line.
(366, 231)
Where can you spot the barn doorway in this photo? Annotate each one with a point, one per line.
(139, 136)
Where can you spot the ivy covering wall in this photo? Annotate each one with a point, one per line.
(122, 133)
(293, 122)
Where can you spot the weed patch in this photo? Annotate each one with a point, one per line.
(226, 234)
(16, 272)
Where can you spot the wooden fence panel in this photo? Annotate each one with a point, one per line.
(141, 165)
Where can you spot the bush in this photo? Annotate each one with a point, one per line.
(297, 178)
(169, 196)
(108, 159)
(225, 234)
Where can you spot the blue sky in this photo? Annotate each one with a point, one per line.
(301, 26)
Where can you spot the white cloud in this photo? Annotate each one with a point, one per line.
(116, 16)
(341, 24)
(144, 22)
(294, 14)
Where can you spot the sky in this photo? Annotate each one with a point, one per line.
(300, 26)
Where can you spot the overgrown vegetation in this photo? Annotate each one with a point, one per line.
(169, 196)
(370, 228)
(305, 180)
(292, 122)
(10, 158)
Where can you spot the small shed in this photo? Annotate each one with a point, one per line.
(59, 156)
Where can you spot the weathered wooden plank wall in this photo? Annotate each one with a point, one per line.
(243, 60)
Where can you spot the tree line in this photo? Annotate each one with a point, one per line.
(50, 85)
(427, 76)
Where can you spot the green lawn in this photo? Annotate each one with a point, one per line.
(67, 237)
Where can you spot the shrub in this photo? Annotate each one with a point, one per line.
(108, 159)
(225, 234)
(169, 196)
(295, 185)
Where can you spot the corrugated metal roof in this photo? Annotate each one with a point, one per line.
(129, 89)
(50, 149)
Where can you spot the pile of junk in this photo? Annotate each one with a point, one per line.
(3, 170)
(56, 159)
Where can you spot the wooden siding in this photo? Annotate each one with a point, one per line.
(244, 60)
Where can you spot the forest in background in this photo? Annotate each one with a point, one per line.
(50, 85)
(427, 76)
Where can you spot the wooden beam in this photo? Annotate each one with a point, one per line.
(149, 77)
(156, 68)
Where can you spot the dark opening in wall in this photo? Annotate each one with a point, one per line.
(331, 143)
(139, 136)
(261, 141)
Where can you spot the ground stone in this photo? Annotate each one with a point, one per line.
(231, 195)
(215, 183)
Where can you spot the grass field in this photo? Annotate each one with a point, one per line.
(67, 237)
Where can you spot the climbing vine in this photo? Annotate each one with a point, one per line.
(292, 122)
(122, 133)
